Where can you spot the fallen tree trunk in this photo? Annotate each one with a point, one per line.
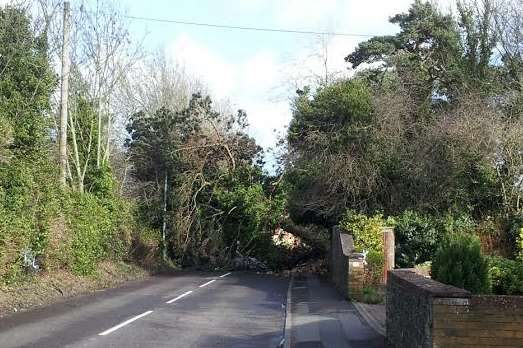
(313, 235)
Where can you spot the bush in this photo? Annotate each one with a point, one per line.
(515, 234)
(366, 231)
(506, 276)
(451, 224)
(371, 296)
(98, 228)
(417, 237)
(460, 262)
(374, 268)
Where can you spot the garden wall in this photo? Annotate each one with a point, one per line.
(423, 313)
(346, 268)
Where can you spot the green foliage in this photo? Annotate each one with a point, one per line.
(371, 295)
(26, 84)
(218, 200)
(28, 194)
(325, 126)
(460, 262)
(98, 230)
(252, 213)
(416, 237)
(28, 200)
(515, 234)
(100, 181)
(374, 268)
(449, 224)
(506, 276)
(366, 231)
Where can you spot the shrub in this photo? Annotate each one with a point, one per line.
(368, 236)
(460, 262)
(515, 234)
(371, 296)
(374, 268)
(417, 237)
(366, 230)
(98, 230)
(451, 224)
(506, 276)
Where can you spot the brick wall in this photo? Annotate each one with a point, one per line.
(481, 321)
(424, 313)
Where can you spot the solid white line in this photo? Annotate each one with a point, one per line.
(114, 328)
(225, 275)
(209, 282)
(179, 297)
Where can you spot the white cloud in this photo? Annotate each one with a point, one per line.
(259, 74)
(247, 84)
(205, 64)
(299, 12)
(250, 83)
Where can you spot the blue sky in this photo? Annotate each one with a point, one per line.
(257, 71)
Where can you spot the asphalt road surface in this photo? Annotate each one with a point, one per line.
(187, 310)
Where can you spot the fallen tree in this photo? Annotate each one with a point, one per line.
(316, 236)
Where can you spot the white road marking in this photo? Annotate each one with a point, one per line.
(209, 282)
(179, 297)
(114, 328)
(225, 275)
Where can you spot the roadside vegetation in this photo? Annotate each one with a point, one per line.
(158, 175)
(427, 137)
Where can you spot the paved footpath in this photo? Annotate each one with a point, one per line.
(321, 318)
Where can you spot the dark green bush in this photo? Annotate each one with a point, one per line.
(417, 237)
(371, 295)
(515, 234)
(460, 262)
(506, 276)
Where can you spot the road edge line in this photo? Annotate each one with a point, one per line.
(287, 328)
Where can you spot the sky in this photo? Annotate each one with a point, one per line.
(259, 71)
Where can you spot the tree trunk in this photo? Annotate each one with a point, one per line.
(64, 96)
(314, 235)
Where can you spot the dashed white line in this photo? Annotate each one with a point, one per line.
(209, 282)
(114, 328)
(179, 297)
(225, 275)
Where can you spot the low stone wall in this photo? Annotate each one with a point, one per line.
(346, 269)
(424, 313)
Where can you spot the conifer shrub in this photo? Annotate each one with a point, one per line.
(460, 262)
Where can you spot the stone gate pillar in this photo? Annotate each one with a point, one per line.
(388, 251)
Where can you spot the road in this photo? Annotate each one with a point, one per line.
(187, 310)
(230, 310)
